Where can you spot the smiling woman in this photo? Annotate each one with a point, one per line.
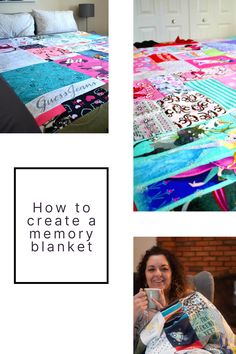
(158, 273)
(160, 269)
(182, 320)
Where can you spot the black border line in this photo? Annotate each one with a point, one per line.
(107, 223)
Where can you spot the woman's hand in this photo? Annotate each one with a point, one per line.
(140, 303)
(162, 301)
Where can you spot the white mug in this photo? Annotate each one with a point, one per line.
(152, 293)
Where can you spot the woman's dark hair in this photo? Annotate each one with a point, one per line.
(179, 286)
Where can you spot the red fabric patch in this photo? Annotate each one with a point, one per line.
(46, 116)
(160, 58)
(195, 345)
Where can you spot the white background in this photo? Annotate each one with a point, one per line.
(87, 319)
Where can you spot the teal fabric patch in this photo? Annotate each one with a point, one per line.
(218, 92)
(35, 80)
(171, 193)
(151, 166)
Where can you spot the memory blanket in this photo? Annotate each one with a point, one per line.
(59, 77)
(184, 122)
(190, 325)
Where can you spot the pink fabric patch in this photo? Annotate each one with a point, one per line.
(46, 116)
(209, 62)
(233, 67)
(49, 52)
(191, 75)
(229, 80)
(92, 67)
(144, 90)
(145, 64)
(190, 55)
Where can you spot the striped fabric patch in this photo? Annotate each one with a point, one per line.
(217, 91)
(171, 310)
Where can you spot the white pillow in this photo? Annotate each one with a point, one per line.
(54, 21)
(16, 25)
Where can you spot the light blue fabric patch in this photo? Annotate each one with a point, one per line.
(222, 46)
(96, 54)
(218, 92)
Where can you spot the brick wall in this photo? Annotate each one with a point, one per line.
(215, 254)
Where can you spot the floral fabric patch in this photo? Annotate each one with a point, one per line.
(144, 90)
(168, 84)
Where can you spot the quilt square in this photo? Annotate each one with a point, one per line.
(160, 58)
(191, 75)
(190, 55)
(212, 52)
(224, 46)
(182, 335)
(93, 67)
(35, 80)
(62, 39)
(167, 193)
(209, 62)
(168, 84)
(202, 74)
(176, 66)
(49, 53)
(149, 120)
(16, 59)
(143, 64)
(75, 47)
(229, 80)
(85, 103)
(190, 108)
(144, 90)
(19, 41)
(216, 91)
(101, 48)
(95, 54)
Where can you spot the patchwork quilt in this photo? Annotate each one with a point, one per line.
(184, 122)
(59, 77)
(190, 325)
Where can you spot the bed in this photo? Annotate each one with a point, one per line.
(61, 78)
(184, 123)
